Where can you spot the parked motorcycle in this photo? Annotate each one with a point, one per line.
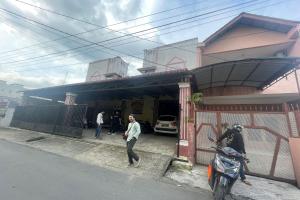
(223, 170)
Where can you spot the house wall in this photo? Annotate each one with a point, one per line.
(6, 119)
(229, 90)
(147, 112)
(173, 56)
(98, 69)
(11, 90)
(243, 37)
(288, 84)
(150, 110)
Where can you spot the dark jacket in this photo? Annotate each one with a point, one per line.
(234, 139)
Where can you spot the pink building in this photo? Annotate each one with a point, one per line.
(253, 36)
(243, 68)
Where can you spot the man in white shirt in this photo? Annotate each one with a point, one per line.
(132, 133)
(99, 124)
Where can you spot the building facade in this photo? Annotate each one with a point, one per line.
(176, 56)
(110, 68)
(253, 36)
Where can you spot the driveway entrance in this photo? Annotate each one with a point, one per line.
(160, 144)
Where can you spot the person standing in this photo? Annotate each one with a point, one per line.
(116, 122)
(235, 140)
(85, 124)
(99, 122)
(132, 133)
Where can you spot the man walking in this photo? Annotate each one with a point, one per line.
(99, 122)
(132, 133)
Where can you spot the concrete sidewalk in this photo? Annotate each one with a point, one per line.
(96, 153)
(261, 189)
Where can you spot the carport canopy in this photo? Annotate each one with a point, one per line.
(255, 72)
(155, 84)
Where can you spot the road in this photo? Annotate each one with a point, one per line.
(30, 174)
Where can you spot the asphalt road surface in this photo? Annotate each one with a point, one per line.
(30, 174)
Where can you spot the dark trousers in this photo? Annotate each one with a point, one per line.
(98, 131)
(114, 128)
(130, 152)
(242, 171)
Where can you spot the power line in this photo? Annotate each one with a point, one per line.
(91, 30)
(98, 43)
(90, 23)
(97, 25)
(180, 48)
(163, 44)
(31, 29)
(184, 29)
(215, 20)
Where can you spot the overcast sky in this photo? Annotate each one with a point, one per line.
(26, 45)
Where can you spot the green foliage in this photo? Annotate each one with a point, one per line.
(197, 98)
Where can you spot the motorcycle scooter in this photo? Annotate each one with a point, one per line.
(223, 170)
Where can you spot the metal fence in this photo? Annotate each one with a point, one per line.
(266, 139)
(66, 120)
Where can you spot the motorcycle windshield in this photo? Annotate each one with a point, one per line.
(231, 152)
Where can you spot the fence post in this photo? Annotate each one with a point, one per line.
(275, 156)
(285, 109)
(295, 149)
(219, 123)
(297, 119)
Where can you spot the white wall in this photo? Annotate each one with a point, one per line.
(173, 56)
(5, 121)
(11, 90)
(98, 69)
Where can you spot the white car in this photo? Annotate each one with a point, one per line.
(166, 124)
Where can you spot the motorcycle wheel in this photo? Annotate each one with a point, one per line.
(220, 193)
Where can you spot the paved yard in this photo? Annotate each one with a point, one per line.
(103, 153)
(162, 144)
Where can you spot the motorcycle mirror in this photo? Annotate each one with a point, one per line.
(209, 137)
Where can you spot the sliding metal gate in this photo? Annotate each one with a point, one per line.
(64, 120)
(266, 139)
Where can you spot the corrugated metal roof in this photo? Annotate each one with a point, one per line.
(144, 80)
(255, 72)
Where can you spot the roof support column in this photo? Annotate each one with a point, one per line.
(70, 98)
(186, 133)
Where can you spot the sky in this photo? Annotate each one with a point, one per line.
(40, 51)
